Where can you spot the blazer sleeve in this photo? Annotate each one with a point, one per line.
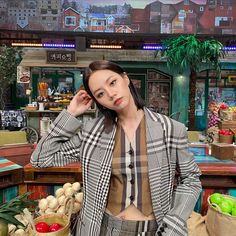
(61, 146)
(186, 192)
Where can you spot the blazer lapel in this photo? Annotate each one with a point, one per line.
(155, 142)
(106, 152)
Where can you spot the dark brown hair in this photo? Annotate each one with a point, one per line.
(110, 115)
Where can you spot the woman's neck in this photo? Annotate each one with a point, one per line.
(130, 116)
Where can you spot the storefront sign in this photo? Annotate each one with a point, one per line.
(23, 74)
(66, 57)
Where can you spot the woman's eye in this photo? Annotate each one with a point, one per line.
(99, 95)
(113, 82)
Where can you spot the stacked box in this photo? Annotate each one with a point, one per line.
(11, 175)
(223, 151)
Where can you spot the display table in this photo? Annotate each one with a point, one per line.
(18, 153)
(217, 176)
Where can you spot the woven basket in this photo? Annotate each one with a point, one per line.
(226, 138)
(50, 219)
(218, 223)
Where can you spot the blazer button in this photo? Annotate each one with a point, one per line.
(131, 198)
(159, 233)
(131, 152)
(164, 225)
(132, 181)
(131, 166)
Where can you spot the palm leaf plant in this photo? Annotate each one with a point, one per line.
(186, 51)
(10, 209)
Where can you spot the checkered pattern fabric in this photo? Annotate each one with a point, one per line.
(167, 153)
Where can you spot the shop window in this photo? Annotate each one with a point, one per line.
(159, 92)
(70, 21)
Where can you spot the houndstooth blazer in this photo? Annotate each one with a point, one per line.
(173, 195)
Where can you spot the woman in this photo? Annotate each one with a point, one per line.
(130, 158)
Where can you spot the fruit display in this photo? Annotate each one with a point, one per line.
(57, 203)
(223, 203)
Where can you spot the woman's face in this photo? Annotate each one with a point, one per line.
(110, 89)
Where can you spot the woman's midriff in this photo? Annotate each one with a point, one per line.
(132, 213)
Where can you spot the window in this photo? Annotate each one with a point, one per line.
(70, 21)
(201, 9)
(44, 11)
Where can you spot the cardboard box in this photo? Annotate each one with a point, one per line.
(223, 151)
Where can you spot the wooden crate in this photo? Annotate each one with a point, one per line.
(223, 151)
(20, 154)
(45, 181)
(227, 124)
(10, 173)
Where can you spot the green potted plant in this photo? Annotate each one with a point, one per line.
(188, 52)
(10, 209)
(9, 59)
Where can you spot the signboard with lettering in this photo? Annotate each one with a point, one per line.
(63, 57)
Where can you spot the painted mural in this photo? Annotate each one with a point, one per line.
(124, 16)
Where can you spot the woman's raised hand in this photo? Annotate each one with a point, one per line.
(80, 103)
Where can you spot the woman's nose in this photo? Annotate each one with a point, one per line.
(110, 94)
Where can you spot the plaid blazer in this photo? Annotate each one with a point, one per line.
(173, 174)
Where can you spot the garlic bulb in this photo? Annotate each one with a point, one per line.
(79, 197)
(67, 185)
(59, 192)
(49, 211)
(49, 197)
(76, 207)
(41, 212)
(19, 232)
(43, 204)
(76, 186)
(61, 209)
(53, 204)
(61, 200)
(11, 228)
(69, 192)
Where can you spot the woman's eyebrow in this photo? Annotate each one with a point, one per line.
(105, 82)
